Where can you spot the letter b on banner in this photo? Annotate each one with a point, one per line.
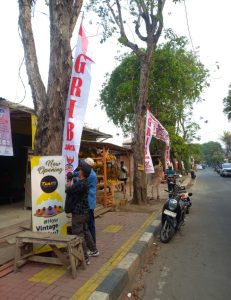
(70, 131)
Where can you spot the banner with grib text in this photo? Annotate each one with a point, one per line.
(76, 103)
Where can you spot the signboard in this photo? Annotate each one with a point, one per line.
(33, 127)
(140, 167)
(48, 194)
(6, 148)
(76, 103)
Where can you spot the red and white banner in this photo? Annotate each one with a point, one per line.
(6, 147)
(76, 102)
(155, 129)
(149, 132)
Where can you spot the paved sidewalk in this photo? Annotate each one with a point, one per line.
(117, 233)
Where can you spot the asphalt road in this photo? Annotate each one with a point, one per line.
(196, 264)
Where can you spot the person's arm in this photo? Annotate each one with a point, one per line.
(92, 183)
(77, 187)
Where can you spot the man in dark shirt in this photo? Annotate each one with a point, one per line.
(78, 192)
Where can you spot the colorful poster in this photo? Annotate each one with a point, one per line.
(48, 194)
(6, 147)
(76, 103)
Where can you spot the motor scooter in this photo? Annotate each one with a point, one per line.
(173, 215)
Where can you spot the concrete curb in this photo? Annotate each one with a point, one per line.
(114, 284)
(120, 277)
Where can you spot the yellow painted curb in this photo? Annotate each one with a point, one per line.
(90, 286)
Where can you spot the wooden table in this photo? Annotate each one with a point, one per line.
(24, 249)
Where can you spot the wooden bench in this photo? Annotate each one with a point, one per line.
(73, 244)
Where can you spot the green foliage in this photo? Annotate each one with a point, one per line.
(176, 81)
(212, 150)
(196, 151)
(226, 139)
(217, 158)
(227, 104)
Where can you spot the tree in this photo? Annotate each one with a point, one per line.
(209, 149)
(176, 80)
(226, 138)
(227, 104)
(114, 16)
(49, 104)
(217, 158)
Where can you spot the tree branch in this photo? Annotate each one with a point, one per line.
(31, 61)
(160, 19)
(123, 37)
(137, 31)
(76, 6)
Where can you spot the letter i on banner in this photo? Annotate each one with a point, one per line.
(76, 103)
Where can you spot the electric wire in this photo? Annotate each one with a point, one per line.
(187, 20)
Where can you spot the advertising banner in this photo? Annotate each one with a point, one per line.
(155, 129)
(48, 194)
(148, 137)
(76, 103)
(6, 147)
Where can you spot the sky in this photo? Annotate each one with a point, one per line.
(209, 28)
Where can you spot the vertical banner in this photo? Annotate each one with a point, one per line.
(76, 103)
(6, 147)
(155, 128)
(33, 129)
(48, 194)
(148, 137)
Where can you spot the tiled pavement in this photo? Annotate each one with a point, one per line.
(116, 234)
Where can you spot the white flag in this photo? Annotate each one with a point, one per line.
(76, 103)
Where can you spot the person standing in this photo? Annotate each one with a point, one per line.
(157, 177)
(77, 193)
(92, 182)
(123, 175)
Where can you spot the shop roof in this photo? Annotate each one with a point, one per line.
(22, 113)
(17, 111)
(110, 146)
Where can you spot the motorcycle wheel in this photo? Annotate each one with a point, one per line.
(166, 232)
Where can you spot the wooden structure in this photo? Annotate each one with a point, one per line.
(73, 244)
(106, 155)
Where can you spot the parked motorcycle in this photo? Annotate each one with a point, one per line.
(193, 174)
(174, 187)
(173, 215)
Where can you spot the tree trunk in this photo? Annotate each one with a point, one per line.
(139, 180)
(50, 105)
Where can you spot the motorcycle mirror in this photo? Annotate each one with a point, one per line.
(190, 194)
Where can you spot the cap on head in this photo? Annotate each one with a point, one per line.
(89, 161)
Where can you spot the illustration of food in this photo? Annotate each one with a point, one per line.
(51, 211)
(39, 212)
(49, 205)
